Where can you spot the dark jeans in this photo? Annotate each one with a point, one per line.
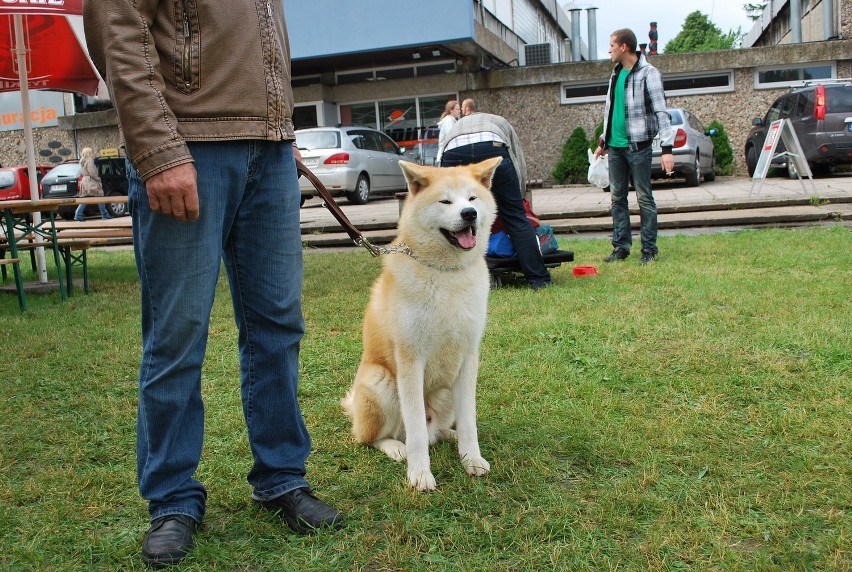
(510, 206)
(622, 164)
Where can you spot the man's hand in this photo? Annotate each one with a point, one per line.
(601, 151)
(667, 162)
(174, 192)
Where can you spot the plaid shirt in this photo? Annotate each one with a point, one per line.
(645, 103)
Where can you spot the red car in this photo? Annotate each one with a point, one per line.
(15, 181)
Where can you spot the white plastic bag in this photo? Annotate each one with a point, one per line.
(598, 171)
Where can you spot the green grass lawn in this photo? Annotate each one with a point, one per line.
(690, 415)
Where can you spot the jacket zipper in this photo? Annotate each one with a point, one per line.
(187, 45)
(276, 86)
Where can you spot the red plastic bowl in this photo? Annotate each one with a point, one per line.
(585, 271)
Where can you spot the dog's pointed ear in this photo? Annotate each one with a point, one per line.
(484, 171)
(415, 175)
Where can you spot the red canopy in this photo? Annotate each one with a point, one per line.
(41, 7)
(55, 58)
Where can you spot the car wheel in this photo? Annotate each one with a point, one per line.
(692, 179)
(117, 209)
(361, 194)
(751, 161)
(711, 174)
(66, 214)
(792, 171)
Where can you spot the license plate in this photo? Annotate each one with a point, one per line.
(310, 162)
(57, 188)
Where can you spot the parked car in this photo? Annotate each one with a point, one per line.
(15, 182)
(693, 150)
(820, 112)
(355, 161)
(63, 180)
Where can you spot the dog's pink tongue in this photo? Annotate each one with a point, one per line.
(466, 238)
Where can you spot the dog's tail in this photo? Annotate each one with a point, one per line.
(348, 403)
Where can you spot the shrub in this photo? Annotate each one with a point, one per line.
(574, 164)
(593, 143)
(722, 147)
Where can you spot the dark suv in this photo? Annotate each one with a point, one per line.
(62, 181)
(821, 115)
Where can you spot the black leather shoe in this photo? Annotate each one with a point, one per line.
(303, 512)
(617, 254)
(168, 540)
(647, 257)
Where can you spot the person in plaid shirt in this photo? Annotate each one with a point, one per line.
(635, 113)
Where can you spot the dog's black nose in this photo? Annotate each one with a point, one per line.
(469, 213)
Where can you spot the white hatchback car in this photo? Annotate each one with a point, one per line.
(354, 161)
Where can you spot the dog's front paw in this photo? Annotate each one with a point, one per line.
(421, 480)
(476, 466)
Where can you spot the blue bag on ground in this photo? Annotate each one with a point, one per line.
(500, 245)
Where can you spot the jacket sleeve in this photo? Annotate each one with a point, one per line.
(654, 85)
(118, 35)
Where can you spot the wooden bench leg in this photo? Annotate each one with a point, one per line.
(71, 260)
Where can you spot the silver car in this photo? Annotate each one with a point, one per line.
(693, 150)
(354, 161)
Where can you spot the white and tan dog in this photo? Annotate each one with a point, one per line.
(424, 323)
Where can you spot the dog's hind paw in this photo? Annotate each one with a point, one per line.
(476, 466)
(392, 448)
(421, 480)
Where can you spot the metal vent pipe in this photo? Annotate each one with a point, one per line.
(575, 34)
(592, 17)
(796, 21)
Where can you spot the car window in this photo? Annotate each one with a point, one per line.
(677, 117)
(7, 179)
(804, 104)
(788, 104)
(110, 168)
(357, 140)
(65, 170)
(838, 99)
(318, 140)
(695, 123)
(370, 139)
(387, 144)
(774, 111)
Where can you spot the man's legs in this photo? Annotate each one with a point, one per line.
(263, 257)
(640, 167)
(178, 264)
(619, 178)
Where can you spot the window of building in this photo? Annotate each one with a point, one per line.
(694, 84)
(673, 84)
(359, 114)
(784, 76)
(303, 80)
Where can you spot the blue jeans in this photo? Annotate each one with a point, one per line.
(506, 189)
(249, 202)
(80, 213)
(622, 164)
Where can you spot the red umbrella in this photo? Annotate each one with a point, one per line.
(39, 50)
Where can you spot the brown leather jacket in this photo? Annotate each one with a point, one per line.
(192, 70)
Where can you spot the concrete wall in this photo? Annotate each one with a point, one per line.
(529, 98)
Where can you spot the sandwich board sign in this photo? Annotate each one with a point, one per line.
(781, 129)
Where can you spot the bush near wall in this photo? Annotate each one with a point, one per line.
(574, 164)
(723, 149)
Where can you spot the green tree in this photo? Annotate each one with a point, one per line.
(754, 10)
(722, 148)
(593, 143)
(574, 164)
(699, 34)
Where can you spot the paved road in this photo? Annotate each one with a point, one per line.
(725, 202)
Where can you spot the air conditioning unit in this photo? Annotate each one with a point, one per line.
(538, 54)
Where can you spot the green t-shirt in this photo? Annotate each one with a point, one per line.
(618, 133)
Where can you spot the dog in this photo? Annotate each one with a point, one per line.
(416, 383)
